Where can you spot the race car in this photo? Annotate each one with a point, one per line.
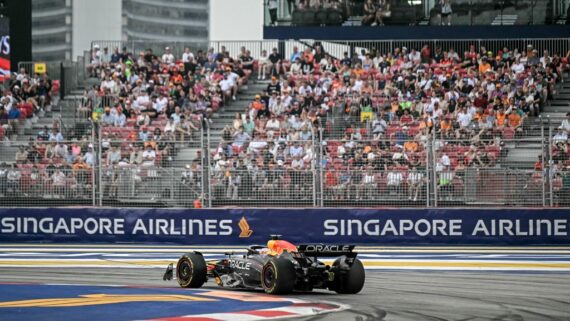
(278, 268)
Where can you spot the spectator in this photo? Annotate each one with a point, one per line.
(566, 124)
(383, 11)
(90, 157)
(445, 182)
(149, 156)
(59, 182)
(108, 119)
(55, 136)
(4, 169)
(394, 181)
(186, 129)
(369, 10)
(272, 6)
(560, 137)
(168, 57)
(136, 155)
(13, 178)
(274, 64)
(113, 156)
(263, 65)
(416, 183)
(21, 155)
(368, 185)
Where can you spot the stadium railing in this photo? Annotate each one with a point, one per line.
(336, 48)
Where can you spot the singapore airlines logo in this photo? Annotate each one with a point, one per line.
(244, 227)
(99, 299)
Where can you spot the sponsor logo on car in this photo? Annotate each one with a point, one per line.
(327, 248)
(242, 265)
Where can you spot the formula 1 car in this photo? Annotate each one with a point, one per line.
(279, 268)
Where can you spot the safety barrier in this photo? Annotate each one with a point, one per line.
(253, 226)
(320, 170)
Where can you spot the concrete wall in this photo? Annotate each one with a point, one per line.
(95, 20)
(236, 19)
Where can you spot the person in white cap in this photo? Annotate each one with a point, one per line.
(168, 57)
(89, 156)
(95, 60)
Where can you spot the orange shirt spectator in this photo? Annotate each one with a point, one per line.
(501, 118)
(514, 119)
(358, 71)
(446, 125)
(484, 67)
(411, 146)
(176, 79)
(80, 165)
(337, 84)
(257, 104)
(422, 124)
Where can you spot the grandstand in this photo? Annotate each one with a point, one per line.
(323, 123)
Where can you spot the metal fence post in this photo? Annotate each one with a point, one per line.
(550, 161)
(320, 166)
(314, 167)
(203, 165)
(434, 172)
(547, 165)
(100, 164)
(428, 190)
(207, 161)
(95, 183)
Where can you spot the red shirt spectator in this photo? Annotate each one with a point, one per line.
(331, 179)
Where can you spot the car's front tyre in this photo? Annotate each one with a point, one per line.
(191, 270)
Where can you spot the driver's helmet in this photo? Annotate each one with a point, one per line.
(276, 247)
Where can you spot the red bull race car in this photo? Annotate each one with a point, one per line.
(278, 268)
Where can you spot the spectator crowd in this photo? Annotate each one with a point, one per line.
(376, 114)
(368, 119)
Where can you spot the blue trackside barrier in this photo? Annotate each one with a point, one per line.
(247, 226)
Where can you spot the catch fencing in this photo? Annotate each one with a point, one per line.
(124, 167)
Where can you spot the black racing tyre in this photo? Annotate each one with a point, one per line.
(350, 283)
(278, 276)
(191, 270)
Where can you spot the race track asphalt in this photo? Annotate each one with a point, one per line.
(387, 295)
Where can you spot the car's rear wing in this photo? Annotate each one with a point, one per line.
(327, 250)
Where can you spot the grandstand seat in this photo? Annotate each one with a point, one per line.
(413, 130)
(508, 133)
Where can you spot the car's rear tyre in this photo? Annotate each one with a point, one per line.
(349, 282)
(278, 276)
(191, 270)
